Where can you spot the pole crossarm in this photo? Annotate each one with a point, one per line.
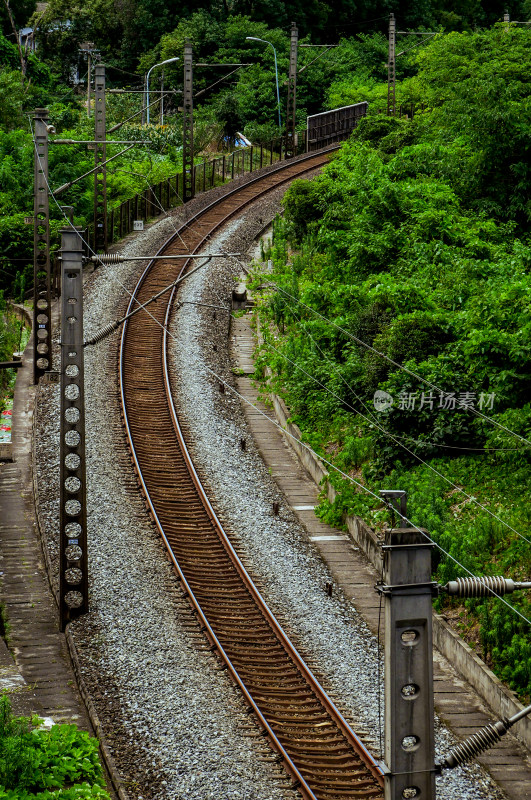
(115, 258)
(243, 64)
(93, 141)
(66, 186)
(112, 326)
(141, 91)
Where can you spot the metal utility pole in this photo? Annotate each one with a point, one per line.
(88, 48)
(162, 99)
(42, 322)
(188, 126)
(89, 72)
(391, 70)
(73, 577)
(291, 142)
(408, 590)
(100, 175)
(144, 103)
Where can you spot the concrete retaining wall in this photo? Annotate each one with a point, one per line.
(498, 697)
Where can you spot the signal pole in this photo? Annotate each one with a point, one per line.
(391, 70)
(100, 176)
(188, 126)
(73, 576)
(409, 729)
(42, 322)
(291, 112)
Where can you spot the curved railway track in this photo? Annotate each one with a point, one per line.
(324, 756)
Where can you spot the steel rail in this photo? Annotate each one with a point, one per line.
(308, 678)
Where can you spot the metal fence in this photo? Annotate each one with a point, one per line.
(166, 194)
(333, 126)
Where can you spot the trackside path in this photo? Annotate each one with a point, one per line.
(508, 763)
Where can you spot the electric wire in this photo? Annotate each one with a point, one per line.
(272, 421)
(391, 436)
(420, 442)
(394, 363)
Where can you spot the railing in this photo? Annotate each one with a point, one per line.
(166, 194)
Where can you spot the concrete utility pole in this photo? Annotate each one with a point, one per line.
(42, 323)
(100, 176)
(391, 68)
(291, 136)
(73, 576)
(408, 590)
(188, 125)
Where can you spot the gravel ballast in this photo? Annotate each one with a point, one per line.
(174, 721)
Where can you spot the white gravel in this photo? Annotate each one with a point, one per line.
(174, 721)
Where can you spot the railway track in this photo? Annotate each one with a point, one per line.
(318, 748)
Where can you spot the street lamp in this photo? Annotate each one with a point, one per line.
(257, 39)
(168, 61)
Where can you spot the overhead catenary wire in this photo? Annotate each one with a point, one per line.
(374, 421)
(391, 436)
(393, 362)
(418, 457)
(374, 418)
(287, 433)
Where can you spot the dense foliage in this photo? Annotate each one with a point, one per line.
(404, 277)
(125, 29)
(413, 247)
(37, 764)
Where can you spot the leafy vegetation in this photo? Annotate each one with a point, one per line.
(404, 270)
(413, 247)
(37, 764)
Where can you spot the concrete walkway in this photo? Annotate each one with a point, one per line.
(456, 703)
(37, 653)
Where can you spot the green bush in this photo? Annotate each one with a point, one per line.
(414, 247)
(36, 764)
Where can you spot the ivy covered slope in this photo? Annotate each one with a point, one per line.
(37, 764)
(413, 248)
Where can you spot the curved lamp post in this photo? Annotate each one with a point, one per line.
(257, 39)
(168, 61)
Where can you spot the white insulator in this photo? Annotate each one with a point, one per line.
(480, 586)
(475, 745)
(107, 258)
(102, 333)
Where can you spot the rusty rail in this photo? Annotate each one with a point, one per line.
(324, 756)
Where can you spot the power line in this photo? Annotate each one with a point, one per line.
(391, 436)
(394, 363)
(274, 422)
